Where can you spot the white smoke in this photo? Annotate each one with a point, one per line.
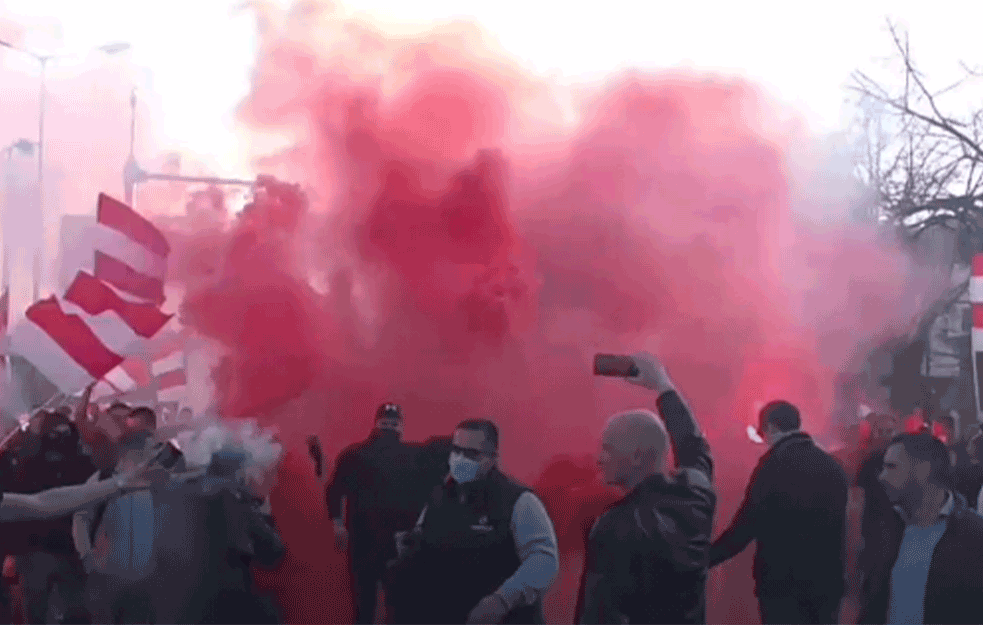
(257, 445)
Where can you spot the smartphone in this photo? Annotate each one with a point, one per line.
(616, 366)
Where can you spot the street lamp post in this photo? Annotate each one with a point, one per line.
(42, 98)
(110, 49)
(133, 174)
(25, 146)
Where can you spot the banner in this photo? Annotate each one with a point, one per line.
(976, 297)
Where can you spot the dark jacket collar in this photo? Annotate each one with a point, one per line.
(795, 438)
(384, 436)
(656, 484)
(945, 512)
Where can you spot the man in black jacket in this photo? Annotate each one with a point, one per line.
(372, 495)
(483, 549)
(795, 508)
(646, 558)
(927, 563)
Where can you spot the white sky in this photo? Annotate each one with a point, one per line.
(199, 52)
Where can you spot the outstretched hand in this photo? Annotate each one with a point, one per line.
(652, 373)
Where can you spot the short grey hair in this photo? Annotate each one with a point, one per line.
(641, 428)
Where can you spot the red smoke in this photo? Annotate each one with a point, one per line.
(478, 254)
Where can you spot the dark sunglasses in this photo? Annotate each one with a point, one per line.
(470, 454)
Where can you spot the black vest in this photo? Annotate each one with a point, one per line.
(467, 550)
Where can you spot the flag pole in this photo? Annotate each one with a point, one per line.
(6, 313)
(976, 333)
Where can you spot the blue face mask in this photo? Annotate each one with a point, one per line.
(462, 469)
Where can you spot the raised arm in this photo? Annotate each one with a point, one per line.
(86, 427)
(57, 502)
(62, 501)
(82, 410)
(690, 447)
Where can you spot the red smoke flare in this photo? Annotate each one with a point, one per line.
(474, 266)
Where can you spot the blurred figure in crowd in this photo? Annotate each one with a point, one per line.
(967, 475)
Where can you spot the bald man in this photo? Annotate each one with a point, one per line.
(647, 554)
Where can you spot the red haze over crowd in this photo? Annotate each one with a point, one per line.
(475, 235)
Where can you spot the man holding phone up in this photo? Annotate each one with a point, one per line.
(647, 555)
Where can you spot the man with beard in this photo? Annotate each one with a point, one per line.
(371, 496)
(926, 566)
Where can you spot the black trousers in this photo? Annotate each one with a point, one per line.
(795, 608)
(366, 577)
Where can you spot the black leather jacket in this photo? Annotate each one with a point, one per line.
(647, 556)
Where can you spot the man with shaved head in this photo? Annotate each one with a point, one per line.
(647, 554)
(795, 509)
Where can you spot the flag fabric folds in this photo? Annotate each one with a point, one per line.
(104, 317)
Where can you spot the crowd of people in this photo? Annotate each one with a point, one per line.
(123, 529)
(112, 524)
(883, 531)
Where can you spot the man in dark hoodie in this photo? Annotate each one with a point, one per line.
(646, 558)
(371, 496)
(795, 508)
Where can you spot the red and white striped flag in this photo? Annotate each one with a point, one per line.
(130, 252)
(170, 377)
(79, 338)
(104, 317)
(976, 297)
(130, 375)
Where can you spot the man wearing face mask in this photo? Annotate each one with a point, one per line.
(371, 497)
(795, 508)
(484, 549)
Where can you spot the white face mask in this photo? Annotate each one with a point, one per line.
(463, 470)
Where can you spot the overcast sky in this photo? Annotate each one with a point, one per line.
(195, 55)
